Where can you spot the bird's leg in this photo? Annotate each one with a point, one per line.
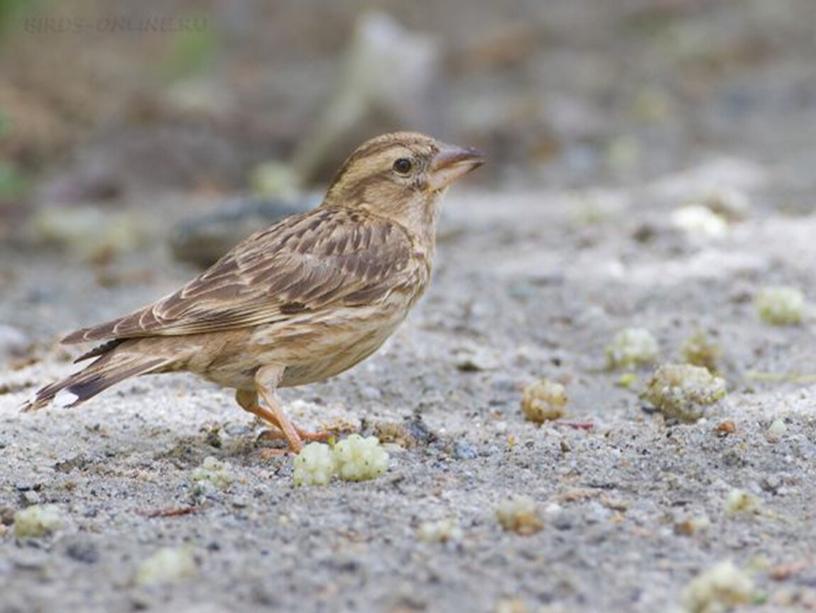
(248, 399)
(266, 381)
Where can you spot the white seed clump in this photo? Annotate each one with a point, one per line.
(739, 501)
(682, 390)
(360, 459)
(776, 430)
(167, 565)
(441, 531)
(631, 347)
(731, 203)
(699, 220)
(213, 471)
(543, 400)
(699, 350)
(780, 306)
(519, 514)
(314, 465)
(718, 589)
(37, 520)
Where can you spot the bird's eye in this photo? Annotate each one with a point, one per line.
(403, 166)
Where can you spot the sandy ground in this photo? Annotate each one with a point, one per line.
(533, 284)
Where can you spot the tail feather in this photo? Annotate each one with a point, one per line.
(108, 370)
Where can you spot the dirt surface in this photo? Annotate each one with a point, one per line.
(531, 289)
(601, 121)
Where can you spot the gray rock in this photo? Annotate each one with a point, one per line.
(13, 342)
(82, 551)
(463, 450)
(202, 240)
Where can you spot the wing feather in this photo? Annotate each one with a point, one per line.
(329, 256)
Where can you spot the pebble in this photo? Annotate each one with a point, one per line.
(237, 429)
(369, 392)
(239, 502)
(203, 239)
(83, 551)
(464, 451)
(771, 483)
(475, 359)
(30, 497)
(13, 342)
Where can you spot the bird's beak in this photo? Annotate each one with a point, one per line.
(452, 162)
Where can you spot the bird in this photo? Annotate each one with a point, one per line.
(298, 302)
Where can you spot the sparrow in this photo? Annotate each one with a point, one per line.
(298, 302)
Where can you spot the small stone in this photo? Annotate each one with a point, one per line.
(718, 589)
(82, 551)
(544, 400)
(463, 450)
(13, 342)
(30, 497)
(6, 516)
(474, 358)
(771, 483)
(203, 239)
(630, 348)
(681, 391)
(237, 429)
(724, 428)
(37, 521)
(166, 566)
(369, 392)
(780, 306)
(240, 502)
(519, 514)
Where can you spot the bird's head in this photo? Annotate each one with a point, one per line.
(401, 176)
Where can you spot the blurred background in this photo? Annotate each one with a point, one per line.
(649, 191)
(121, 120)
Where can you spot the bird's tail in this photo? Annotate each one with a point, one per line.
(107, 370)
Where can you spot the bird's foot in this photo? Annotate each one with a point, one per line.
(267, 453)
(276, 434)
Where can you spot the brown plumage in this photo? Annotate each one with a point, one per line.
(299, 302)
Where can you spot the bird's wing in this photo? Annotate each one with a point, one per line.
(306, 263)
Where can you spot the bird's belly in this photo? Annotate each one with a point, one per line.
(316, 352)
(332, 362)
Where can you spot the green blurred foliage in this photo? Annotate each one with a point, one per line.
(13, 185)
(192, 51)
(12, 10)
